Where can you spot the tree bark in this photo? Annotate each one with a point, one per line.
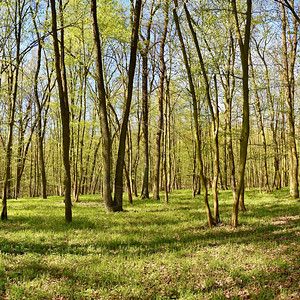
(289, 78)
(39, 111)
(214, 115)
(210, 220)
(64, 106)
(261, 126)
(160, 104)
(106, 143)
(118, 197)
(13, 90)
(244, 52)
(145, 121)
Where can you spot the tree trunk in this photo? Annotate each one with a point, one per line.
(13, 87)
(261, 126)
(64, 105)
(145, 121)
(106, 138)
(244, 52)
(210, 220)
(118, 197)
(160, 104)
(289, 64)
(214, 115)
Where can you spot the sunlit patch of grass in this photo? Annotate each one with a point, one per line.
(151, 250)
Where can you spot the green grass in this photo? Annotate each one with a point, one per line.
(152, 250)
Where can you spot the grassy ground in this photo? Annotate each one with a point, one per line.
(151, 251)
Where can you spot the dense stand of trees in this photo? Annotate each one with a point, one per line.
(154, 95)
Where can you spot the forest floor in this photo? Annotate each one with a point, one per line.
(151, 250)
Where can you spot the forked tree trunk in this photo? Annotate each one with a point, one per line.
(210, 219)
(118, 197)
(214, 115)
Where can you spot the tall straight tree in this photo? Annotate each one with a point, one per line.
(289, 44)
(144, 50)
(64, 103)
(118, 196)
(160, 102)
(39, 105)
(261, 51)
(260, 123)
(244, 53)
(106, 144)
(14, 67)
(12, 95)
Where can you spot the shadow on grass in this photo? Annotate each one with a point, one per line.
(142, 230)
(269, 282)
(145, 240)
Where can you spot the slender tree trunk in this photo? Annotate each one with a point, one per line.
(244, 52)
(118, 197)
(106, 143)
(165, 138)
(289, 63)
(196, 124)
(64, 106)
(128, 185)
(261, 126)
(160, 104)
(214, 115)
(13, 86)
(216, 155)
(145, 121)
(39, 111)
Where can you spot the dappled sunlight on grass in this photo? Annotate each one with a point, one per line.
(151, 250)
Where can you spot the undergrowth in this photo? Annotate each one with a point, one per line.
(151, 250)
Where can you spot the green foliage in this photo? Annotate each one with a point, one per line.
(151, 251)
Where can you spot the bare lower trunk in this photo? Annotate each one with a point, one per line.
(289, 78)
(244, 52)
(118, 197)
(160, 105)
(106, 138)
(210, 220)
(13, 90)
(145, 121)
(64, 105)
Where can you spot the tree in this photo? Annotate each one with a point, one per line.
(19, 14)
(260, 122)
(144, 50)
(162, 76)
(64, 103)
(40, 103)
(210, 220)
(214, 113)
(244, 53)
(289, 37)
(106, 144)
(118, 196)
